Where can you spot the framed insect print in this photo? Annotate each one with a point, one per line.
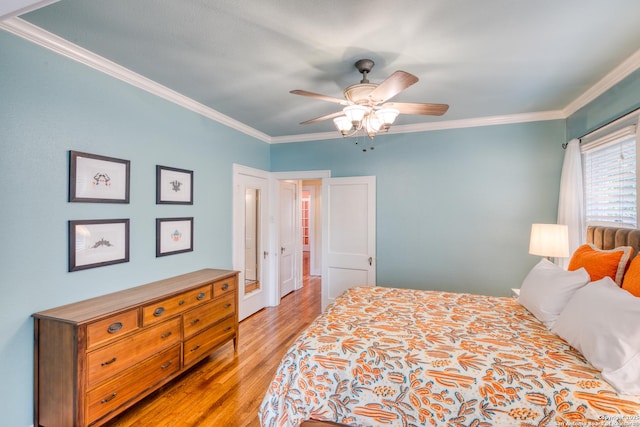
(98, 179)
(96, 243)
(174, 186)
(174, 236)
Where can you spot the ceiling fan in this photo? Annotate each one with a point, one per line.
(366, 107)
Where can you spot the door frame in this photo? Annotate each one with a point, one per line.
(273, 298)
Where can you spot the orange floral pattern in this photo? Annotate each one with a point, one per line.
(402, 357)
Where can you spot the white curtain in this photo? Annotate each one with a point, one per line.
(571, 203)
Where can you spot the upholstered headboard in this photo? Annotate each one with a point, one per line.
(612, 237)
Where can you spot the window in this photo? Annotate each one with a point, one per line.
(609, 168)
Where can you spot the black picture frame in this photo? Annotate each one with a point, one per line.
(98, 179)
(174, 236)
(97, 243)
(174, 186)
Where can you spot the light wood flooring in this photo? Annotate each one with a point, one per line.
(223, 391)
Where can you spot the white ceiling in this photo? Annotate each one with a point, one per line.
(486, 59)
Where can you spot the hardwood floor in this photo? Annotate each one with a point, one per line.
(225, 391)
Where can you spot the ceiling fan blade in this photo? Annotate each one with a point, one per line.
(319, 96)
(319, 119)
(417, 108)
(393, 85)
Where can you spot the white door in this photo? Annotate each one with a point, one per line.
(288, 226)
(250, 216)
(349, 230)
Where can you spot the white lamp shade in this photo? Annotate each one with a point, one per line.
(549, 240)
(343, 124)
(373, 124)
(355, 113)
(387, 116)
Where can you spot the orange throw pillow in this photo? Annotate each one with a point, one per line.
(631, 282)
(600, 263)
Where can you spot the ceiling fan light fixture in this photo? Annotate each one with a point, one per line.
(367, 112)
(355, 113)
(343, 124)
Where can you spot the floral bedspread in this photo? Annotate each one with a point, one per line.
(400, 357)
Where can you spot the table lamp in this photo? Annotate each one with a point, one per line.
(549, 240)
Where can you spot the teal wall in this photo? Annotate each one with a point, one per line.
(454, 207)
(622, 98)
(50, 105)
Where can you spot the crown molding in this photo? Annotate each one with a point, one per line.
(41, 37)
(616, 75)
(441, 125)
(37, 35)
(305, 137)
(481, 121)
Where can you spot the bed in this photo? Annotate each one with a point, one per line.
(383, 356)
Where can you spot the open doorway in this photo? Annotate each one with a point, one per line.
(313, 180)
(333, 199)
(346, 251)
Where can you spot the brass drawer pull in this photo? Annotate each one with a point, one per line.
(195, 348)
(195, 321)
(108, 362)
(227, 306)
(114, 327)
(201, 296)
(181, 302)
(158, 311)
(166, 365)
(228, 329)
(166, 335)
(109, 399)
(225, 286)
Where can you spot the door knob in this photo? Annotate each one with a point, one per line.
(370, 261)
(282, 250)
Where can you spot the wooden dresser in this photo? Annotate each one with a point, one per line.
(95, 358)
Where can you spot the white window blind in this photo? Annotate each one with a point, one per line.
(609, 168)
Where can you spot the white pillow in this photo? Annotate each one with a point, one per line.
(601, 321)
(547, 289)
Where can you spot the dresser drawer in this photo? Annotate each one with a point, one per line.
(169, 307)
(226, 286)
(208, 314)
(206, 340)
(131, 382)
(112, 327)
(107, 361)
